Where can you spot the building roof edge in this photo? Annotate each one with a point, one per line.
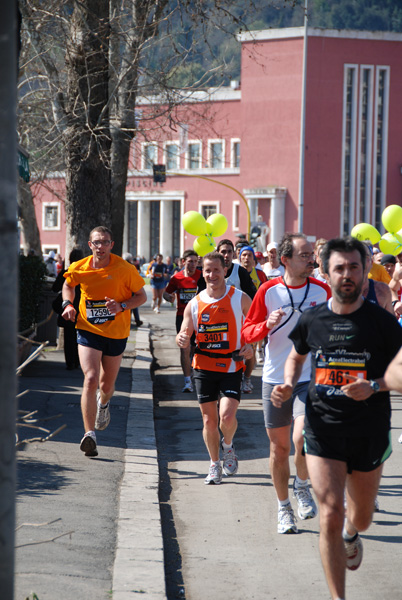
(298, 32)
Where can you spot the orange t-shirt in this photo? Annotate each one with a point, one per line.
(217, 325)
(119, 280)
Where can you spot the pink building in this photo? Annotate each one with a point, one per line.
(247, 139)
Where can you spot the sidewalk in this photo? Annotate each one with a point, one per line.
(89, 528)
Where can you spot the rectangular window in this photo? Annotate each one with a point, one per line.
(176, 227)
(236, 216)
(365, 141)
(149, 155)
(194, 155)
(51, 216)
(348, 148)
(172, 154)
(132, 227)
(209, 209)
(216, 154)
(235, 154)
(380, 144)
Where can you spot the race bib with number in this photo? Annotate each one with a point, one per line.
(332, 370)
(185, 295)
(213, 337)
(97, 312)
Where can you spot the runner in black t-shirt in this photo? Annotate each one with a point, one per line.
(347, 422)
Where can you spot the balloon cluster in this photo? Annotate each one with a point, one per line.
(205, 230)
(391, 242)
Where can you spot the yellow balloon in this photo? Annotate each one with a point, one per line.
(391, 243)
(209, 228)
(194, 223)
(365, 231)
(219, 224)
(392, 218)
(203, 244)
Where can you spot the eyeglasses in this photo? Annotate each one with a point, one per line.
(99, 243)
(306, 255)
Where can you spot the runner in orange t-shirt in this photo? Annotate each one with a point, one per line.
(110, 288)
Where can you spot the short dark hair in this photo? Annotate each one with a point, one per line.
(101, 229)
(286, 244)
(347, 244)
(225, 243)
(76, 254)
(215, 256)
(188, 253)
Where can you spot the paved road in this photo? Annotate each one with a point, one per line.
(227, 545)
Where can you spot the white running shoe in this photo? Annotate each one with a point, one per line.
(215, 475)
(88, 444)
(354, 552)
(188, 388)
(156, 310)
(306, 507)
(153, 304)
(260, 356)
(230, 461)
(287, 520)
(400, 439)
(247, 386)
(376, 505)
(102, 414)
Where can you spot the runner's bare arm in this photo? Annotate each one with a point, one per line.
(293, 369)
(187, 329)
(68, 293)
(393, 375)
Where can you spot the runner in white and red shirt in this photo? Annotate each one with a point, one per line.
(274, 312)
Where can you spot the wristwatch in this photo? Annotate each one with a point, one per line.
(66, 303)
(123, 306)
(375, 386)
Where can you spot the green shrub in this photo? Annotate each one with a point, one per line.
(32, 271)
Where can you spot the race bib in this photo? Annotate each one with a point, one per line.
(332, 370)
(158, 275)
(213, 336)
(97, 312)
(186, 295)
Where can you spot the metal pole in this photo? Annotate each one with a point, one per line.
(303, 125)
(8, 291)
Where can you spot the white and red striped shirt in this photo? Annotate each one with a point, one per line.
(293, 300)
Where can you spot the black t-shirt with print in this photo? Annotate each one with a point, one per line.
(361, 344)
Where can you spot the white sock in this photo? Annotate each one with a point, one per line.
(226, 446)
(91, 433)
(282, 503)
(215, 462)
(346, 535)
(187, 380)
(300, 482)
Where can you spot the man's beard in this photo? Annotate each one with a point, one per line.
(348, 297)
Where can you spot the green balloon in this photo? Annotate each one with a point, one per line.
(365, 231)
(219, 224)
(392, 218)
(203, 244)
(194, 223)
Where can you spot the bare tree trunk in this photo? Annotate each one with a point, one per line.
(8, 291)
(87, 136)
(29, 226)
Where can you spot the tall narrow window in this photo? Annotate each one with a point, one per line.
(172, 157)
(381, 135)
(236, 216)
(194, 155)
(132, 227)
(149, 155)
(216, 155)
(235, 158)
(51, 216)
(176, 227)
(366, 103)
(349, 141)
(155, 227)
